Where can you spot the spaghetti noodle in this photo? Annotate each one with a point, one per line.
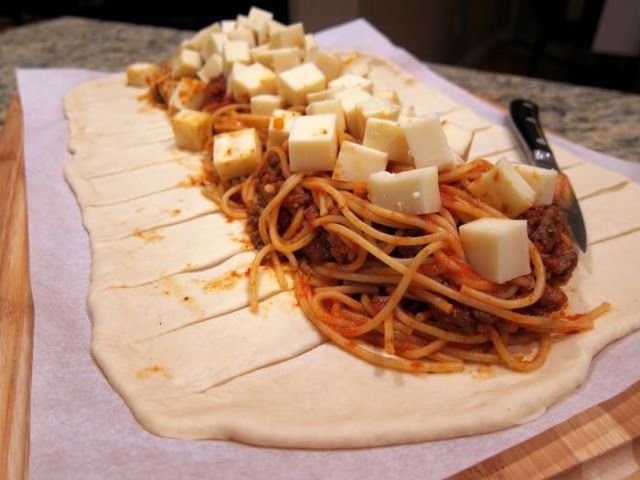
(392, 289)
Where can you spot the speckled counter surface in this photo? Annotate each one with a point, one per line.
(603, 120)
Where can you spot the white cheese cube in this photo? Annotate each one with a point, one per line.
(236, 153)
(191, 129)
(387, 136)
(374, 107)
(137, 73)
(280, 125)
(275, 26)
(284, 59)
(289, 36)
(228, 26)
(265, 104)
(235, 51)
(414, 192)
(326, 94)
(244, 34)
(541, 180)
(188, 93)
(256, 79)
(497, 248)
(235, 69)
(313, 143)
(326, 61)
(349, 80)
(328, 106)
(186, 63)
(309, 42)
(458, 138)
(213, 68)
(296, 83)
(390, 96)
(198, 41)
(261, 54)
(242, 21)
(349, 99)
(503, 188)
(356, 163)
(214, 44)
(427, 142)
(259, 17)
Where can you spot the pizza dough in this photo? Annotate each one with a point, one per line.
(173, 335)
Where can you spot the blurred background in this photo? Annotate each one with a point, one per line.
(586, 42)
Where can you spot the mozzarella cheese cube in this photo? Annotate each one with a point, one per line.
(541, 180)
(275, 26)
(280, 125)
(289, 36)
(313, 143)
(186, 63)
(188, 94)
(503, 188)
(243, 34)
(259, 18)
(349, 80)
(227, 26)
(458, 138)
(375, 107)
(236, 153)
(427, 142)
(242, 21)
(309, 42)
(356, 163)
(296, 83)
(326, 61)
(497, 248)
(265, 104)
(261, 54)
(191, 129)
(326, 94)
(212, 68)
(235, 51)
(284, 59)
(235, 69)
(329, 106)
(349, 99)
(414, 192)
(390, 96)
(256, 79)
(137, 73)
(198, 41)
(387, 136)
(214, 44)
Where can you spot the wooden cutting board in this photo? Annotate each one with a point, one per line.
(16, 303)
(603, 441)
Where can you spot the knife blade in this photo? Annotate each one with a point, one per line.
(525, 118)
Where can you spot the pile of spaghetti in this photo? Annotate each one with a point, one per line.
(394, 289)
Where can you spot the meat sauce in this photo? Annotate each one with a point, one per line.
(547, 229)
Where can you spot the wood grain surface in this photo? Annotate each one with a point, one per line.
(16, 303)
(601, 442)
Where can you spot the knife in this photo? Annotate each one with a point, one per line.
(524, 115)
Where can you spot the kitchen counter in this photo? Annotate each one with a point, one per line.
(603, 120)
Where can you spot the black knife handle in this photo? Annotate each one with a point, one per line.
(524, 114)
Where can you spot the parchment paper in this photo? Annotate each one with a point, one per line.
(80, 428)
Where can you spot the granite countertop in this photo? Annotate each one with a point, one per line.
(603, 120)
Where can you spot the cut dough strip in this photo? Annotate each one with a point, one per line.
(173, 302)
(93, 164)
(127, 185)
(196, 244)
(119, 220)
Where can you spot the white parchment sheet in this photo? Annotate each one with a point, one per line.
(81, 429)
